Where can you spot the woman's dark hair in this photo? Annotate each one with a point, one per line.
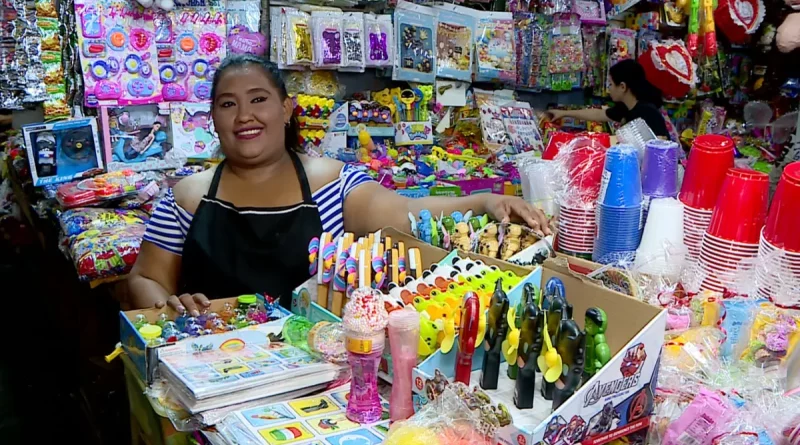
(274, 75)
(632, 74)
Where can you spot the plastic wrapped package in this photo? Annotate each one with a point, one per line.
(353, 43)
(772, 338)
(693, 351)
(76, 221)
(494, 48)
(415, 28)
(447, 420)
(703, 420)
(454, 43)
(379, 34)
(300, 49)
(540, 185)
(275, 41)
(579, 164)
(103, 254)
(326, 28)
(244, 17)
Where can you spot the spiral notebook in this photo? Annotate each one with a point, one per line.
(220, 370)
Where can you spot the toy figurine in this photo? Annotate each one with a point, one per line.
(511, 242)
(571, 346)
(448, 225)
(461, 238)
(597, 350)
(488, 241)
(557, 310)
(424, 225)
(497, 329)
(530, 340)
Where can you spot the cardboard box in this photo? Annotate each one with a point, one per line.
(143, 357)
(624, 387)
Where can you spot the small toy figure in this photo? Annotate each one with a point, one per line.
(46, 155)
(571, 346)
(597, 350)
(488, 243)
(461, 238)
(424, 225)
(511, 242)
(497, 326)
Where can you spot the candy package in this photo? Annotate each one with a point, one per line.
(353, 44)
(326, 29)
(454, 43)
(379, 39)
(494, 46)
(101, 254)
(416, 40)
(76, 221)
(300, 49)
(244, 17)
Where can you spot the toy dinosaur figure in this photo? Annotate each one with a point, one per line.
(597, 350)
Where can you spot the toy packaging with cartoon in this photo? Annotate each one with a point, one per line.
(63, 151)
(138, 138)
(192, 134)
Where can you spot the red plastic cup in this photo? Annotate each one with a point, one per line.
(709, 160)
(741, 209)
(784, 213)
(585, 168)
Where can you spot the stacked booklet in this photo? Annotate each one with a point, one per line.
(236, 367)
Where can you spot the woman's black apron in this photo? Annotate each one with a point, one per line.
(231, 251)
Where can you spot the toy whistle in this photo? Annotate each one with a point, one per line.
(468, 335)
(571, 345)
(497, 328)
(530, 340)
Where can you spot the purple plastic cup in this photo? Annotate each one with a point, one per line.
(660, 169)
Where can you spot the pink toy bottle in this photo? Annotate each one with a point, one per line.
(403, 341)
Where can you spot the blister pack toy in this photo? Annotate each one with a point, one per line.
(353, 44)
(63, 151)
(76, 221)
(117, 48)
(191, 46)
(192, 135)
(326, 30)
(494, 46)
(137, 137)
(379, 36)
(244, 17)
(100, 188)
(415, 27)
(454, 43)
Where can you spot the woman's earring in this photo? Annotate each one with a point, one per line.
(286, 125)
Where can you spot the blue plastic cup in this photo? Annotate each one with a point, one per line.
(622, 182)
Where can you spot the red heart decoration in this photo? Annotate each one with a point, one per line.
(677, 60)
(740, 9)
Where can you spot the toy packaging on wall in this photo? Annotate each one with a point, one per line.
(326, 29)
(566, 53)
(300, 48)
(416, 39)
(353, 47)
(522, 127)
(621, 46)
(379, 39)
(192, 135)
(117, 52)
(63, 151)
(244, 17)
(187, 70)
(454, 43)
(494, 46)
(592, 12)
(137, 138)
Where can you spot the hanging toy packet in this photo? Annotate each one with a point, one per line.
(566, 52)
(243, 24)
(276, 38)
(454, 42)
(494, 46)
(196, 36)
(117, 52)
(416, 39)
(353, 47)
(379, 34)
(300, 50)
(326, 28)
(522, 127)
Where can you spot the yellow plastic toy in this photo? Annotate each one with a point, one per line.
(511, 343)
(550, 362)
(405, 434)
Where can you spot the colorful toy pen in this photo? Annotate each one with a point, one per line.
(402, 265)
(394, 266)
(497, 328)
(415, 263)
(571, 346)
(468, 334)
(322, 285)
(530, 340)
(340, 277)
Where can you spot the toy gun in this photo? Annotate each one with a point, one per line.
(530, 340)
(468, 335)
(571, 345)
(497, 328)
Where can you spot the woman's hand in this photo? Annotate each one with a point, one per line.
(555, 115)
(192, 303)
(512, 208)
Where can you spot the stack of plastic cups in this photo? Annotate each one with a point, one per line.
(662, 252)
(659, 171)
(577, 226)
(619, 208)
(709, 160)
(779, 247)
(735, 229)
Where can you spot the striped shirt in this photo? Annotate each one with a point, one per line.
(170, 222)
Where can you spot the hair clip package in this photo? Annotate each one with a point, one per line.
(416, 39)
(118, 53)
(244, 17)
(198, 48)
(353, 48)
(454, 42)
(379, 35)
(137, 138)
(300, 50)
(63, 151)
(494, 48)
(192, 132)
(326, 28)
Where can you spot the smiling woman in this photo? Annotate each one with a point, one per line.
(244, 226)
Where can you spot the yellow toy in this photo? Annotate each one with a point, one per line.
(405, 434)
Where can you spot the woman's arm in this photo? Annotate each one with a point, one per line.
(154, 277)
(586, 114)
(370, 207)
